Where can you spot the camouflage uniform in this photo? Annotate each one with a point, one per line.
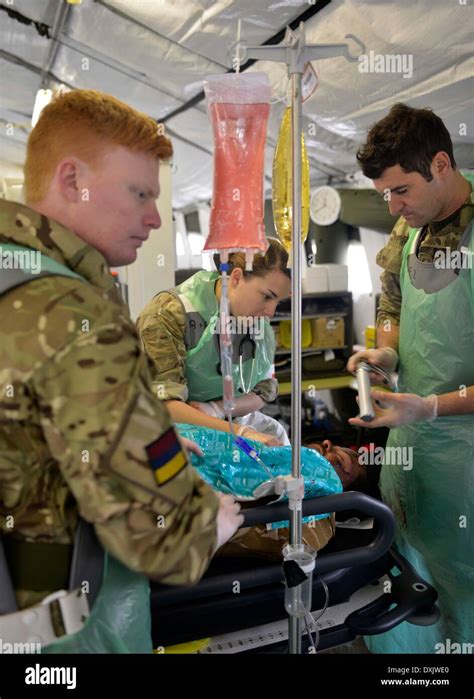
(439, 235)
(77, 413)
(162, 327)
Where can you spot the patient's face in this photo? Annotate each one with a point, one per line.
(344, 461)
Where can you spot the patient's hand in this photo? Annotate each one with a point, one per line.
(228, 519)
(210, 408)
(191, 446)
(267, 439)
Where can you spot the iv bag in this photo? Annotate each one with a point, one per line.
(238, 107)
(282, 184)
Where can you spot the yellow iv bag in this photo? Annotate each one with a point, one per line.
(282, 183)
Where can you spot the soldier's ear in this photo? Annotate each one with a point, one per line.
(442, 164)
(67, 177)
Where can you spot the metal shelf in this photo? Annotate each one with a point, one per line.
(342, 314)
(325, 294)
(311, 303)
(321, 383)
(310, 350)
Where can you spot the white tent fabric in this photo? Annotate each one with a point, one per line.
(155, 54)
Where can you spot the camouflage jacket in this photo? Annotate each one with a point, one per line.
(80, 430)
(162, 327)
(438, 235)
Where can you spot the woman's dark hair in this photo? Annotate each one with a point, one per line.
(275, 258)
(407, 137)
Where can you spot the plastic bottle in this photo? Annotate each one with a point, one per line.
(298, 597)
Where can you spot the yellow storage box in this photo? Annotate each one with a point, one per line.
(285, 333)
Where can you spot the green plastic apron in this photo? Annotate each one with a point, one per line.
(120, 619)
(202, 361)
(434, 501)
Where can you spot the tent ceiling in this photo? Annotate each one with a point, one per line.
(155, 53)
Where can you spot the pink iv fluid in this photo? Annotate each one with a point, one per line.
(239, 127)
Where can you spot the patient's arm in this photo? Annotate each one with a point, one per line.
(182, 412)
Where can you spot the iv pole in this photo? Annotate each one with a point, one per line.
(296, 54)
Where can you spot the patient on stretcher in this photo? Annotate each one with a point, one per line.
(326, 469)
(262, 542)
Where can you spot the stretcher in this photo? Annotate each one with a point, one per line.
(238, 606)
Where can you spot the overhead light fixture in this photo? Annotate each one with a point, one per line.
(43, 97)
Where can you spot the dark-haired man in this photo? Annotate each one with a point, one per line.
(426, 327)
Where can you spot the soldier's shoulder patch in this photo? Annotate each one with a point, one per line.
(166, 456)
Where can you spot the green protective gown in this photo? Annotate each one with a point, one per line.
(434, 500)
(202, 376)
